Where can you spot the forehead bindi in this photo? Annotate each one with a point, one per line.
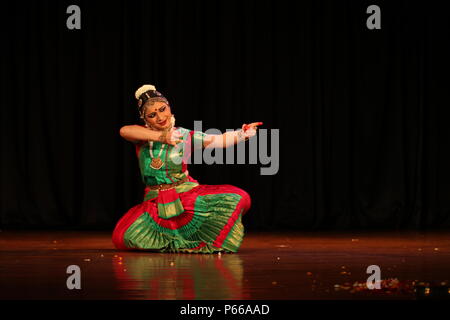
(155, 108)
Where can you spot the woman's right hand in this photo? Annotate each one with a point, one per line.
(171, 137)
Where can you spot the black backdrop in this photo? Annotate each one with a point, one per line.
(362, 113)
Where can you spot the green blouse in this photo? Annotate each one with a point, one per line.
(174, 158)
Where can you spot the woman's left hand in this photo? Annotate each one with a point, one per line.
(249, 130)
(253, 125)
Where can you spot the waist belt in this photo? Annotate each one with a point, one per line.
(166, 186)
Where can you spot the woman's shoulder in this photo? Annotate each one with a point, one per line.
(182, 130)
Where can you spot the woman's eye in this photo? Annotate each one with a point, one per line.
(162, 109)
(151, 115)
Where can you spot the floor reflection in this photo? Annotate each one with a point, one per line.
(179, 276)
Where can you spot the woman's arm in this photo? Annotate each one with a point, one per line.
(231, 138)
(135, 133)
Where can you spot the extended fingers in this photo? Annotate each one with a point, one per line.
(252, 125)
(255, 124)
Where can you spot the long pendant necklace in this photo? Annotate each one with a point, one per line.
(156, 163)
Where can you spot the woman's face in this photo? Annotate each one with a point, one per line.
(158, 115)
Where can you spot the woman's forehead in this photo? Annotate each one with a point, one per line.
(155, 106)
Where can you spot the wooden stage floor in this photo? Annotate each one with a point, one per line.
(287, 266)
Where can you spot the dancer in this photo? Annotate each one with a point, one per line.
(178, 213)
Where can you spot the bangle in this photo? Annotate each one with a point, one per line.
(162, 138)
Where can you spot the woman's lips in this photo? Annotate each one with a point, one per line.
(163, 123)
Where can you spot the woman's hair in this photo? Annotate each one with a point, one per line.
(147, 96)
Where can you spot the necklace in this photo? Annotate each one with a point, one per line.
(156, 163)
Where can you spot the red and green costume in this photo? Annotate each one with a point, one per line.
(188, 218)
